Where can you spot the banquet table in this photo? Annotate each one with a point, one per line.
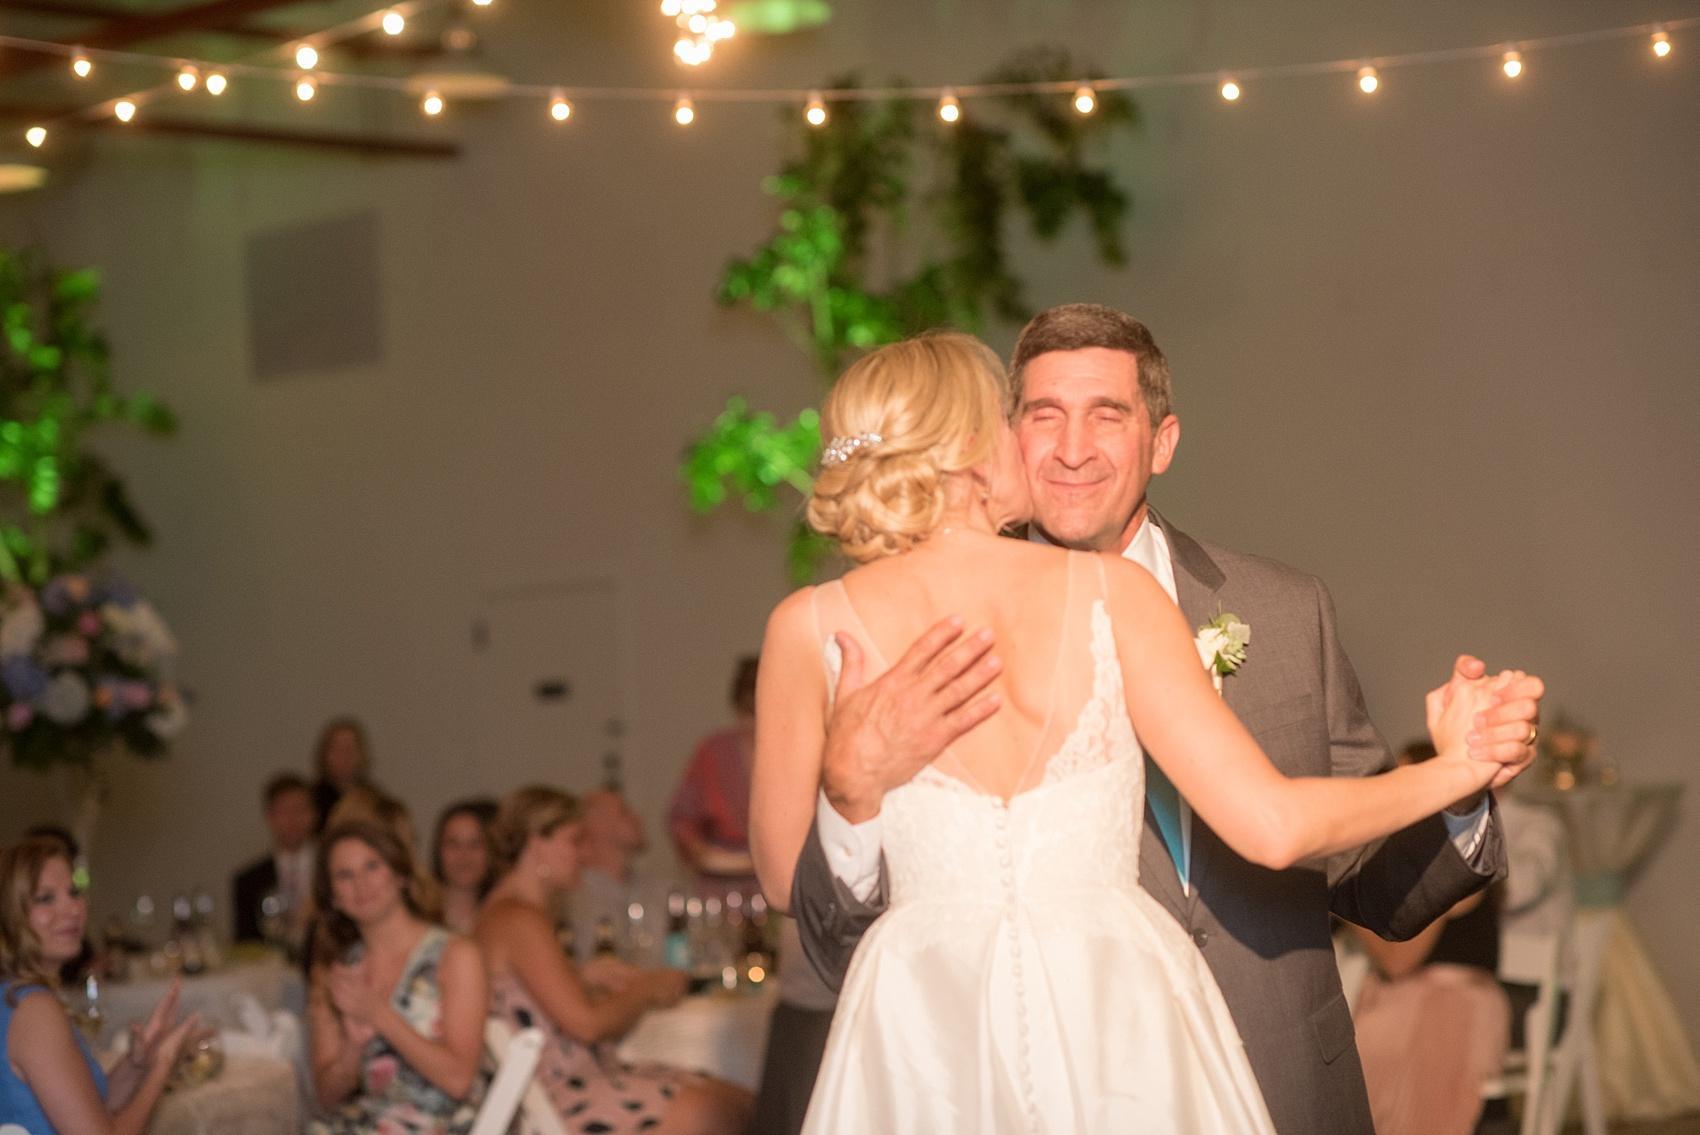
(252, 1095)
(723, 1034)
(271, 982)
(1637, 1062)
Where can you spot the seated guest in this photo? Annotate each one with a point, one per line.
(342, 760)
(286, 871)
(396, 1005)
(709, 818)
(461, 860)
(1432, 1020)
(533, 983)
(49, 1080)
(609, 843)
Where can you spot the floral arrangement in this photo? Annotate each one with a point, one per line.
(85, 667)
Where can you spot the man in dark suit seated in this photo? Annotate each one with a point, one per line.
(286, 871)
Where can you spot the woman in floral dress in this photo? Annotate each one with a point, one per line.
(534, 983)
(396, 1004)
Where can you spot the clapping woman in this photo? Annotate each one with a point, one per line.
(49, 1080)
(396, 1003)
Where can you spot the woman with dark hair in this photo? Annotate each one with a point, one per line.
(532, 982)
(49, 1080)
(342, 759)
(396, 1004)
(461, 861)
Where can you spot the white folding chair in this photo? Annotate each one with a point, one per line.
(515, 1058)
(1530, 959)
(514, 1087)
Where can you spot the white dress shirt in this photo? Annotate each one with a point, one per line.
(853, 850)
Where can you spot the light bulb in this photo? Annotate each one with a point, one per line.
(1085, 101)
(35, 136)
(431, 104)
(560, 109)
(1661, 44)
(394, 23)
(81, 67)
(671, 9)
(124, 110)
(305, 89)
(949, 109)
(719, 29)
(815, 112)
(306, 57)
(1512, 65)
(482, 3)
(1230, 90)
(1368, 80)
(188, 78)
(216, 83)
(684, 112)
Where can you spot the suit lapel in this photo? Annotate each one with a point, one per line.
(1198, 581)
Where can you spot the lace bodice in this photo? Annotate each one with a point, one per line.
(1077, 828)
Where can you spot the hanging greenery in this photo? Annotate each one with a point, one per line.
(892, 223)
(61, 505)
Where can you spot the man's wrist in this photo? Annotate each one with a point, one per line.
(858, 808)
(1468, 804)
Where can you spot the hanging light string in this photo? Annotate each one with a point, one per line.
(1230, 82)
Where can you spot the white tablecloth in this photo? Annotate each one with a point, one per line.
(722, 1034)
(253, 1095)
(270, 982)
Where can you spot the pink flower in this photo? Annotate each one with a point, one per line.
(18, 716)
(89, 623)
(136, 695)
(380, 1074)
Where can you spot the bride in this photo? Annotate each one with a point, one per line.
(1020, 979)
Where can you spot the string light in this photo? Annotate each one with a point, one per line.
(35, 136)
(949, 108)
(394, 23)
(1230, 90)
(482, 3)
(1661, 44)
(1085, 101)
(188, 78)
(1512, 65)
(216, 82)
(306, 57)
(684, 112)
(431, 104)
(305, 89)
(123, 110)
(699, 29)
(1368, 80)
(559, 108)
(815, 113)
(80, 66)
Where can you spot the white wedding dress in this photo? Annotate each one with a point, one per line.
(1020, 980)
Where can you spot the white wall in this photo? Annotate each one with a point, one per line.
(1436, 346)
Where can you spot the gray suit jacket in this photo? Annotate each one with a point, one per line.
(1265, 934)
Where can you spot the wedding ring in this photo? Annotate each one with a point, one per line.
(1534, 732)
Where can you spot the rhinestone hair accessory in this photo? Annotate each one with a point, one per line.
(841, 449)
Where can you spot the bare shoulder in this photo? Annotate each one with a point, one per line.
(504, 922)
(40, 1017)
(793, 617)
(1129, 583)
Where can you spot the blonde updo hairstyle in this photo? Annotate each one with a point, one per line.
(526, 814)
(937, 403)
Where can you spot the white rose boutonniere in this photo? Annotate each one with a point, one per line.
(1222, 645)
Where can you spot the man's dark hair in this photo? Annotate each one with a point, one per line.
(1077, 326)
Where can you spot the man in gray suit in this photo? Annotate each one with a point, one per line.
(1094, 421)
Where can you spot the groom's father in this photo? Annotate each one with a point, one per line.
(1095, 424)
